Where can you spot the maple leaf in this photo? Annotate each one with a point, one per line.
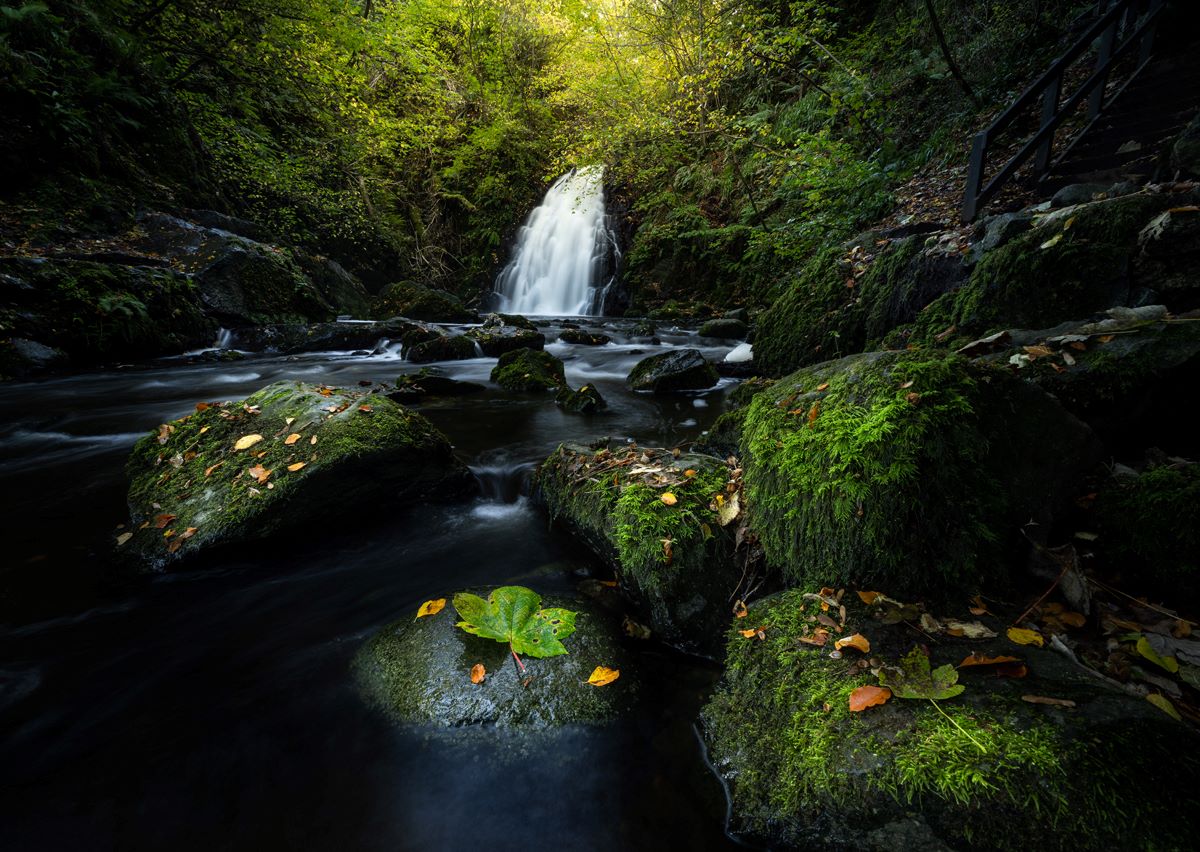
(512, 614)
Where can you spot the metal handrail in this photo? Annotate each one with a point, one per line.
(1048, 89)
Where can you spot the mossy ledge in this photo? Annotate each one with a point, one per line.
(804, 772)
(353, 449)
(909, 470)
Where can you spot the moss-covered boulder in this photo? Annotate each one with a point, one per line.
(583, 401)
(657, 526)
(416, 301)
(579, 337)
(444, 347)
(289, 455)
(529, 370)
(1149, 529)
(419, 670)
(725, 328)
(982, 770)
(677, 370)
(412, 387)
(913, 471)
(498, 335)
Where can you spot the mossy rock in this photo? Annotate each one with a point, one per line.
(444, 347)
(501, 320)
(677, 370)
(418, 670)
(1149, 530)
(495, 340)
(416, 301)
(425, 382)
(354, 450)
(529, 370)
(908, 471)
(613, 501)
(583, 401)
(580, 337)
(994, 772)
(725, 328)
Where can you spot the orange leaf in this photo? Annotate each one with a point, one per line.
(979, 608)
(868, 696)
(432, 607)
(857, 641)
(977, 659)
(739, 609)
(292, 438)
(478, 673)
(364, 409)
(1073, 619)
(260, 473)
(161, 521)
(602, 676)
(823, 386)
(689, 473)
(295, 467)
(868, 597)
(812, 414)
(749, 633)
(669, 498)
(247, 441)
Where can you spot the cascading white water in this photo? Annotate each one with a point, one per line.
(562, 250)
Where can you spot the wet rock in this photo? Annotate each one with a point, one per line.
(644, 328)
(498, 320)
(502, 333)
(583, 338)
(726, 329)
(583, 401)
(426, 383)
(21, 357)
(999, 230)
(191, 489)
(1185, 151)
(529, 370)
(677, 370)
(910, 471)
(612, 500)
(418, 671)
(292, 338)
(416, 301)
(739, 314)
(1169, 260)
(805, 772)
(1078, 193)
(445, 347)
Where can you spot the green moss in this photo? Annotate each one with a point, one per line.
(802, 767)
(882, 484)
(448, 347)
(529, 370)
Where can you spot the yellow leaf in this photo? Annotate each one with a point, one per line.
(123, 537)
(602, 676)
(295, 467)
(1146, 650)
(1025, 637)
(478, 673)
(857, 641)
(292, 438)
(313, 439)
(669, 498)
(1164, 704)
(749, 633)
(432, 607)
(689, 473)
(247, 442)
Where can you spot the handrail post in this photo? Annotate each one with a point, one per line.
(1146, 48)
(974, 176)
(1096, 100)
(1049, 111)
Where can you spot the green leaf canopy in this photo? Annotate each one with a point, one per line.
(512, 614)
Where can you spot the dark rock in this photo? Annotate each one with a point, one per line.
(1185, 151)
(740, 314)
(416, 301)
(448, 347)
(583, 401)
(188, 478)
(20, 357)
(529, 370)
(418, 670)
(999, 230)
(583, 338)
(1079, 193)
(338, 287)
(727, 329)
(644, 328)
(614, 504)
(677, 370)
(1169, 260)
(503, 320)
(428, 383)
(499, 337)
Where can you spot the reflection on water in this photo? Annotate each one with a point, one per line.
(213, 708)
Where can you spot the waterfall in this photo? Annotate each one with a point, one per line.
(563, 252)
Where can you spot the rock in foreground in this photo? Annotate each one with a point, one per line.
(289, 455)
(419, 670)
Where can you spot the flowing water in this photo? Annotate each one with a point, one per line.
(213, 708)
(564, 251)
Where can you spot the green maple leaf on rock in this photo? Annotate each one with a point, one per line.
(914, 679)
(512, 614)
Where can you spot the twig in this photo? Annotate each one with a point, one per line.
(1150, 606)
(1032, 606)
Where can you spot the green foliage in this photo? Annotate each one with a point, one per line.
(513, 614)
(913, 678)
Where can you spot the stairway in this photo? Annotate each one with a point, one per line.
(1125, 140)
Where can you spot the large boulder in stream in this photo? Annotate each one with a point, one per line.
(663, 522)
(502, 333)
(678, 370)
(289, 455)
(981, 769)
(443, 347)
(418, 670)
(529, 370)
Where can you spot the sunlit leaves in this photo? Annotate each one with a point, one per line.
(603, 676)
(432, 607)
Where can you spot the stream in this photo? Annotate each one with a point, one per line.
(214, 708)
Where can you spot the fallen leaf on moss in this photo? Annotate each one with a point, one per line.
(818, 637)
(689, 472)
(914, 679)
(602, 676)
(1164, 704)
(123, 537)
(1042, 699)
(478, 673)
(824, 386)
(669, 498)
(432, 607)
(857, 641)
(1025, 637)
(247, 441)
(868, 597)
(292, 438)
(978, 607)
(313, 439)
(160, 521)
(813, 413)
(739, 609)
(295, 467)
(260, 473)
(178, 541)
(728, 510)
(868, 696)
(976, 659)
